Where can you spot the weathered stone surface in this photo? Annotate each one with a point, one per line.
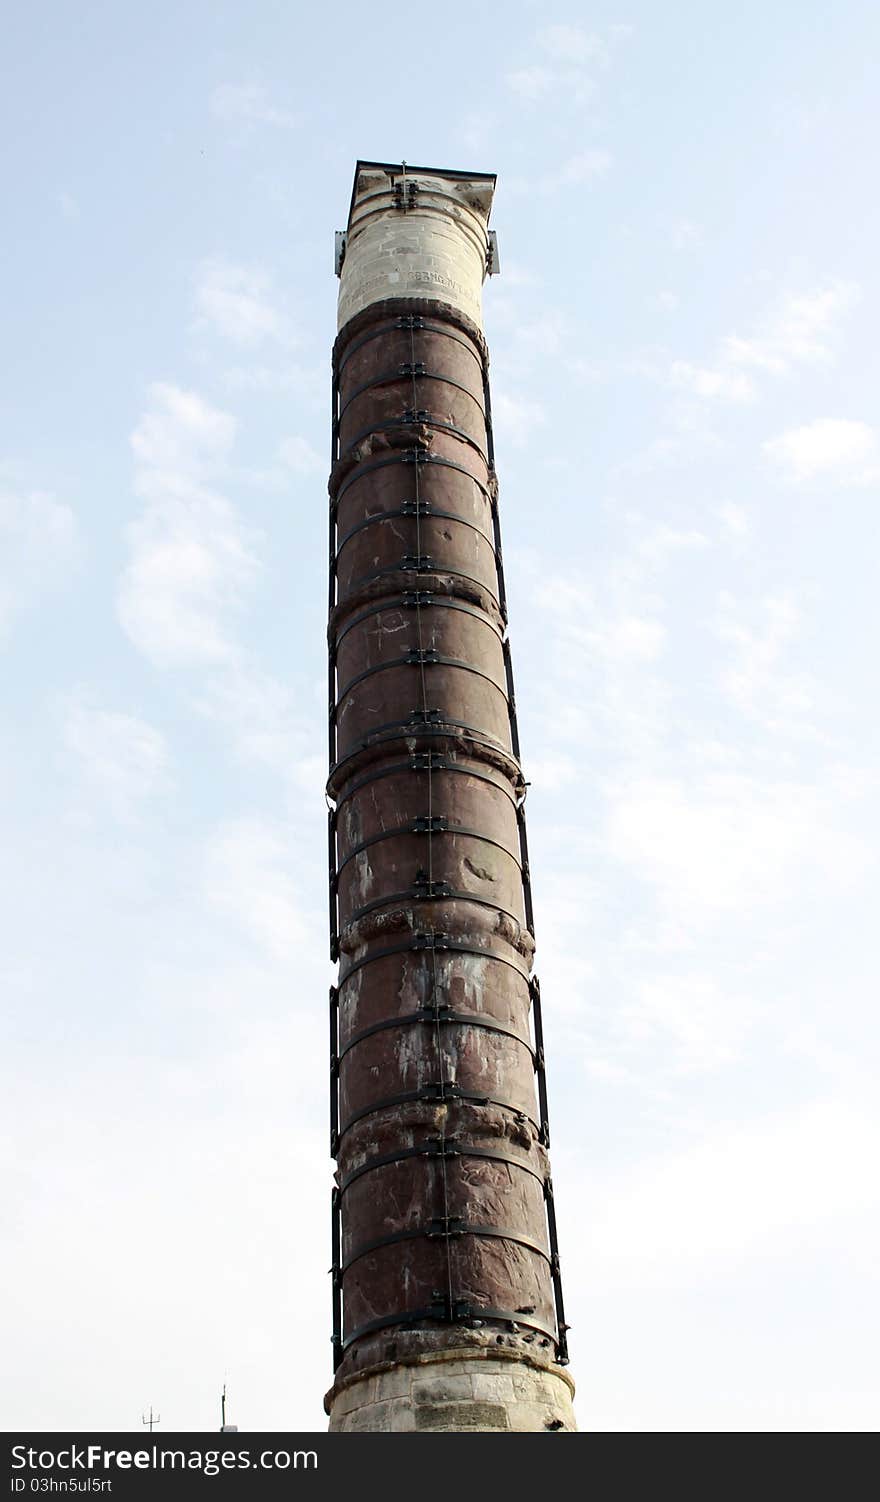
(436, 250)
(457, 1418)
(454, 1393)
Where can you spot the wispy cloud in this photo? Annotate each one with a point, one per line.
(250, 103)
(727, 842)
(574, 45)
(190, 556)
(685, 234)
(301, 456)
(237, 302)
(800, 330)
(124, 758)
(38, 545)
(517, 417)
(748, 1186)
(573, 54)
(757, 679)
(701, 1025)
(531, 83)
(712, 383)
(834, 448)
(67, 204)
(260, 717)
(583, 167)
(249, 878)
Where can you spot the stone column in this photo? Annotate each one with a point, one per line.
(447, 1294)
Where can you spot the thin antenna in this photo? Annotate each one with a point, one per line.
(153, 1419)
(224, 1427)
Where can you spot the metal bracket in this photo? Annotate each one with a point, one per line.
(409, 456)
(437, 1016)
(418, 508)
(426, 761)
(447, 1227)
(423, 886)
(430, 824)
(406, 197)
(439, 1092)
(435, 943)
(446, 1148)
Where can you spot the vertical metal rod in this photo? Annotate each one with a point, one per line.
(331, 705)
(526, 869)
(541, 1077)
(334, 1071)
(556, 1274)
(511, 697)
(499, 559)
(333, 884)
(487, 404)
(336, 1275)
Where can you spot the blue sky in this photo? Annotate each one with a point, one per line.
(685, 352)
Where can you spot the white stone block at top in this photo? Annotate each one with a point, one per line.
(435, 247)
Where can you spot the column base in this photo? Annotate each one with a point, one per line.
(455, 1391)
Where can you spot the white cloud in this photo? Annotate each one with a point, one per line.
(744, 1189)
(299, 455)
(38, 544)
(799, 330)
(603, 683)
(580, 168)
(236, 302)
(720, 384)
(516, 417)
(703, 1025)
(572, 52)
(735, 519)
(68, 205)
(249, 878)
(190, 557)
(572, 44)
(552, 772)
(475, 131)
(181, 431)
(727, 843)
(124, 757)
(258, 715)
(837, 447)
(531, 83)
(756, 679)
(250, 102)
(685, 234)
